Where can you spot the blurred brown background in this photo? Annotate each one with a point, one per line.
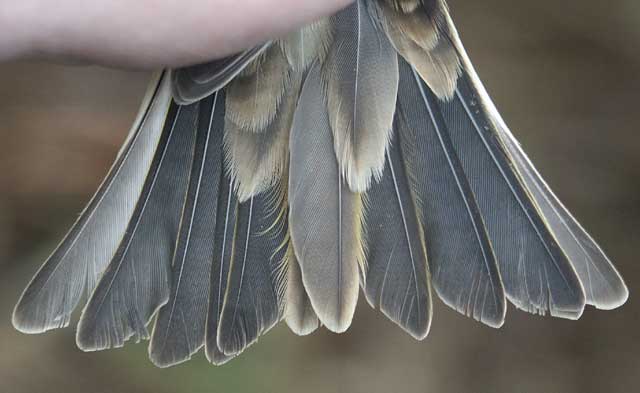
(566, 76)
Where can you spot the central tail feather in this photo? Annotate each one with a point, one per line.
(325, 215)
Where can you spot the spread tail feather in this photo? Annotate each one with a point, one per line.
(359, 152)
(78, 262)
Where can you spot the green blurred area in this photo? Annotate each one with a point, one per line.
(566, 77)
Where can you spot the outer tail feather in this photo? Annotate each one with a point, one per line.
(77, 263)
(603, 285)
(536, 273)
(135, 283)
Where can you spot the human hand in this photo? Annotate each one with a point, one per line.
(148, 33)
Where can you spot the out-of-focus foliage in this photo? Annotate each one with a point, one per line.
(566, 76)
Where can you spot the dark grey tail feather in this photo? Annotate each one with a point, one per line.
(78, 262)
(179, 331)
(135, 283)
(253, 300)
(463, 266)
(604, 287)
(536, 273)
(227, 213)
(397, 279)
(602, 284)
(191, 84)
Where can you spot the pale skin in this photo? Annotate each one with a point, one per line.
(147, 34)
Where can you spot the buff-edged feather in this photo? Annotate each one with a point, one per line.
(257, 159)
(254, 96)
(361, 79)
(435, 57)
(325, 215)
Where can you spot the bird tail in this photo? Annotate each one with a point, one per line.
(359, 152)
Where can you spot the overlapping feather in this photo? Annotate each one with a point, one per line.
(78, 262)
(361, 82)
(179, 330)
(387, 168)
(135, 283)
(464, 270)
(325, 215)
